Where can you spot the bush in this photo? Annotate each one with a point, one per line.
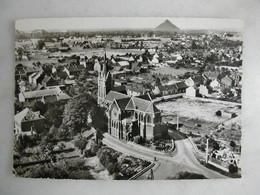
(137, 139)
(218, 113)
(81, 143)
(188, 175)
(232, 144)
(112, 167)
(232, 168)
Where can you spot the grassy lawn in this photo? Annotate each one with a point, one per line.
(172, 71)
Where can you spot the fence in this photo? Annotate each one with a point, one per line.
(142, 172)
(195, 146)
(213, 100)
(219, 164)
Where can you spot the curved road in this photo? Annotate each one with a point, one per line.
(165, 166)
(185, 156)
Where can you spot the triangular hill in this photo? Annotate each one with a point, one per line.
(167, 26)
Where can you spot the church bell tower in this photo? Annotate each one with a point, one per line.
(105, 83)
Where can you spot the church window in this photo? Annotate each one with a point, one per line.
(148, 119)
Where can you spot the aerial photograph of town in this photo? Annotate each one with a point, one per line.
(128, 98)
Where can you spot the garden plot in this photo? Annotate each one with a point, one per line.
(196, 109)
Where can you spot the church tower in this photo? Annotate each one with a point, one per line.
(105, 83)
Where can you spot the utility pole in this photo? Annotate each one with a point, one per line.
(207, 150)
(152, 176)
(177, 123)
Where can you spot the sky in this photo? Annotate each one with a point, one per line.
(90, 23)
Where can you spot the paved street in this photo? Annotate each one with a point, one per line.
(165, 166)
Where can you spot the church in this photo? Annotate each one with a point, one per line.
(128, 116)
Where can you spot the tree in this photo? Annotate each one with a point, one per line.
(39, 106)
(54, 113)
(40, 44)
(76, 113)
(81, 143)
(232, 144)
(158, 82)
(99, 118)
(232, 168)
(213, 144)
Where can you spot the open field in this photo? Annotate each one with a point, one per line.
(195, 109)
(172, 71)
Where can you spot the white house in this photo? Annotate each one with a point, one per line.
(191, 92)
(214, 83)
(140, 59)
(33, 77)
(189, 82)
(97, 66)
(155, 60)
(131, 59)
(203, 90)
(83, 63)
(124, 64)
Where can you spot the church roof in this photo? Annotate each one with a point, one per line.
(152, 108)
(144, 105)
(123, 102)
(115, 95)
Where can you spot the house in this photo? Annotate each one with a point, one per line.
(59, 76)
(47, 70)
(136, 67)
(214, 84)
(134, 90)
(74, 70)
(49, 81)
(120, 82)
(83, 63)
(226, 81)
(155, 60)
(46, 95)
(210, 75)
(131, 59)
(156, 90)
(140, 59)
(189, 82)
(194, 81)
(191, 91)
(181, 87)
(167, 89)
(28, 122)
(97, 66)
(36, 78)
(124, 64)
(226, 113)
(20, 72)
(198, 80)
(203, 90)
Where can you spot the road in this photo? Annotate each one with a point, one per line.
(165, 166)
